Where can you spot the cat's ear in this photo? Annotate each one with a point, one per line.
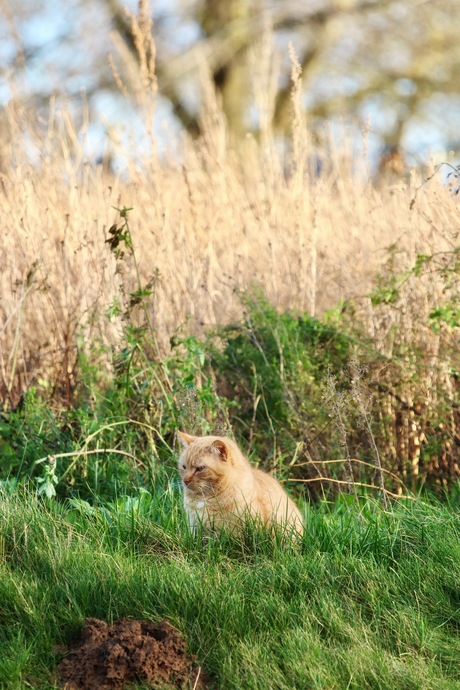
(186, 439)
(220, 448)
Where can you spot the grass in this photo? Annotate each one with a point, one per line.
(107, 347)
(363, 602)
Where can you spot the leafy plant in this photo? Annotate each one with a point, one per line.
(272, 367)
(47, 482)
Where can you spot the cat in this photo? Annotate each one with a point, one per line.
(220, 487)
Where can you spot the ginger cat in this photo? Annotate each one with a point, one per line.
(220, 486)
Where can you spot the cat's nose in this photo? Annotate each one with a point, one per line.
(187, 480)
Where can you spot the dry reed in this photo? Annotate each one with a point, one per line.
(213, 218)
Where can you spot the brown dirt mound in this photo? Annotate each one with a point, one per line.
(111, 657)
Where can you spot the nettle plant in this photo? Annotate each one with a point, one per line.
(181, 381)
(121, 245)
(166, 390)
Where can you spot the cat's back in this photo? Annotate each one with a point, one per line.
(272, 500)
(266, 482)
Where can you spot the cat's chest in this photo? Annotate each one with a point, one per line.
(195, 507)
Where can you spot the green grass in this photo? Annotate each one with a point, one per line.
(363, 602)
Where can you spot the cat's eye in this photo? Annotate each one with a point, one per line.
(200, 468)
(183, 467)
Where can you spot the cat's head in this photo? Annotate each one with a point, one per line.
(205, 462)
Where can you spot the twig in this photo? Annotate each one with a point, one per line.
(338, 402)
(343, 481)
(436, 170)
(361, 462)
(79, 453)
(197, 678)
(357, 392)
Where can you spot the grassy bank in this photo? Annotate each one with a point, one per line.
(369, 600)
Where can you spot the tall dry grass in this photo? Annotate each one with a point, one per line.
(212, 218)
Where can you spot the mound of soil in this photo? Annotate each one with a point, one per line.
(111, 657)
